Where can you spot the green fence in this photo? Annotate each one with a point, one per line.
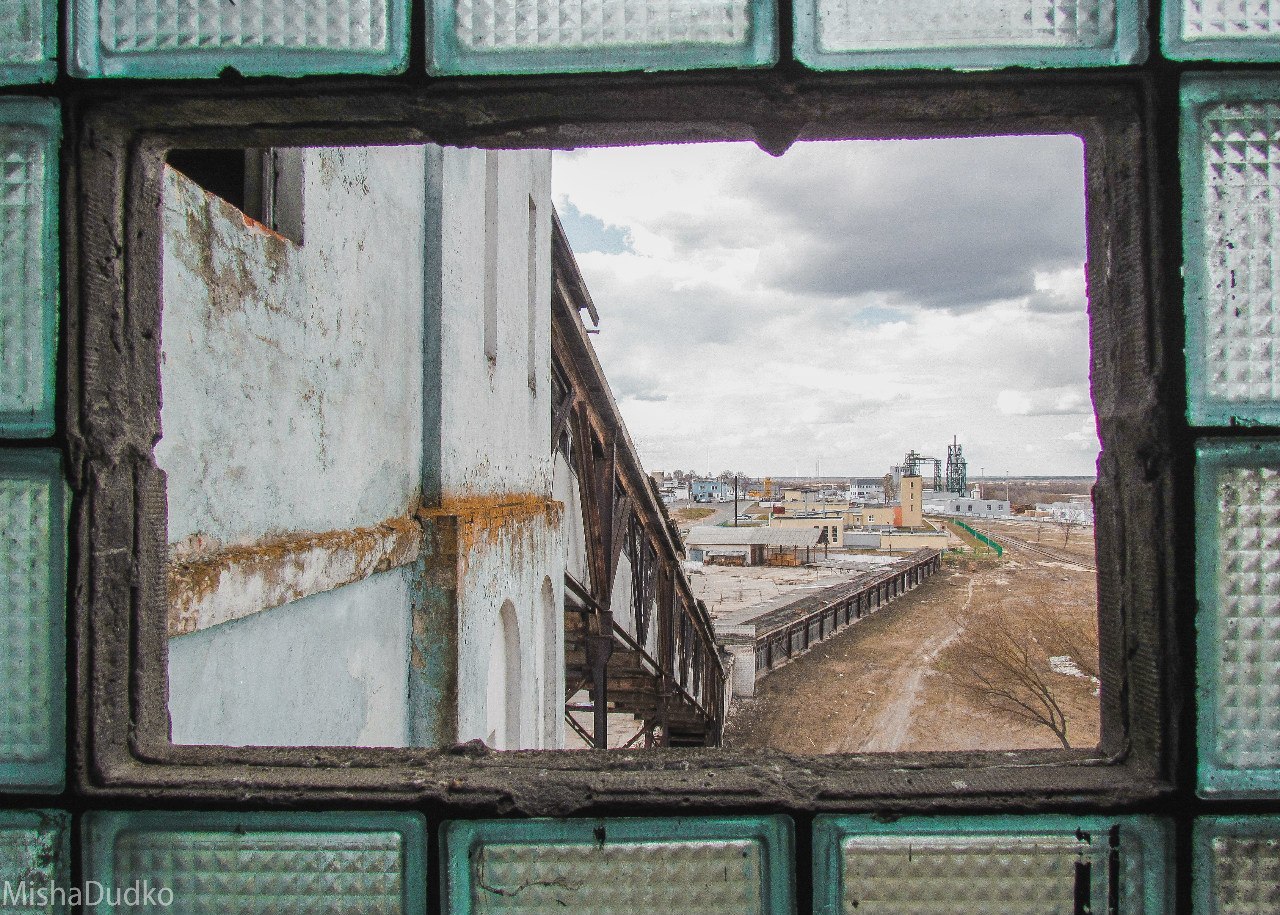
(981, 537)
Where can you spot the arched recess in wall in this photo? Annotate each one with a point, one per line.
(504, 685)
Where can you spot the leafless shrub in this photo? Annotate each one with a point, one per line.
(1067, 523)
(1001, 662)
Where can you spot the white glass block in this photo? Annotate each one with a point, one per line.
(690, 866)
(1230, 154)
(846, 34)
(857, 25)
(29, 131)
(1246, 874)
(1246, 30)
(1229, 19)
(1033, 875)
(504, 24)
(1242, 232)
(28, 40)
(32, 598)
(1248, 617)
(194, 38)
(695, 878)
(279, 863)
(978, 865)
(1237, 865)
(514, 36)
(1238, 586)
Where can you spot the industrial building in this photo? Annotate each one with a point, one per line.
(479, 577)
(751, 546)
(977, 508)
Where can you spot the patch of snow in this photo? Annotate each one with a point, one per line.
(1063, 664)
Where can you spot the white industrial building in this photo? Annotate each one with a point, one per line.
(964, 507)
(1080, 512)
(287, 371)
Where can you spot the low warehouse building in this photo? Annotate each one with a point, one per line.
(751, 546)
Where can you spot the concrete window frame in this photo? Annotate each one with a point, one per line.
(116, 142)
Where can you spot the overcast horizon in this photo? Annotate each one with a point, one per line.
(843, 304)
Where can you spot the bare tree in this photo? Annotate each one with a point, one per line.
(1000, 664)
(890, 489)
(1067, 522)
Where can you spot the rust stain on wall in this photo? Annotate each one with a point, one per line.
(484, 519)
(233, 582)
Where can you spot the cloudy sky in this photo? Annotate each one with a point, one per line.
(844, 303)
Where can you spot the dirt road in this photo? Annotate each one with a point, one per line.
(876, 686)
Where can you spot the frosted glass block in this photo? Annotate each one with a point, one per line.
(32, 621)
(28, 41)
(968, 34)
(1238, 589)
(201, 38)
(1247, 30)
(693, 866)
(563, 36)
(1230, 152)
(1236, 865)
(1032, 865)
(29, 134)
(278, 863)
(33, 859)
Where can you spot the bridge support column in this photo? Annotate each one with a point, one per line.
(599, 648)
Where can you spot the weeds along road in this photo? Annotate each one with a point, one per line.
(877, 687)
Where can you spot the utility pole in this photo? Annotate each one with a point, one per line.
(735, 500)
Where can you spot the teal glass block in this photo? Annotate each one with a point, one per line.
(1244, 30)
(593, 36)
(34, 869)
(692, 866)
(32, 621)
(1236, 865)
(277, 863)
(1230, 156)
(968, 34)
(1237, 491)
(202, 38)
(30, 130)
(1015, 865)
(28, 41)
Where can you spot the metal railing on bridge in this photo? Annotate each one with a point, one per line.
(788, 631)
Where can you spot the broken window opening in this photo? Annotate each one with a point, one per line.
(264, 184)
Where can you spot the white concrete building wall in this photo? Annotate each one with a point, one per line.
(286, 410)
(283, 365)
(495, 450)
(291, 406)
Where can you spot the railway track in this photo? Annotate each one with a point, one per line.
(1046, 552)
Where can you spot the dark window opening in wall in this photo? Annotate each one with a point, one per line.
(264, 184)
(594, 599)
(815, 356)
